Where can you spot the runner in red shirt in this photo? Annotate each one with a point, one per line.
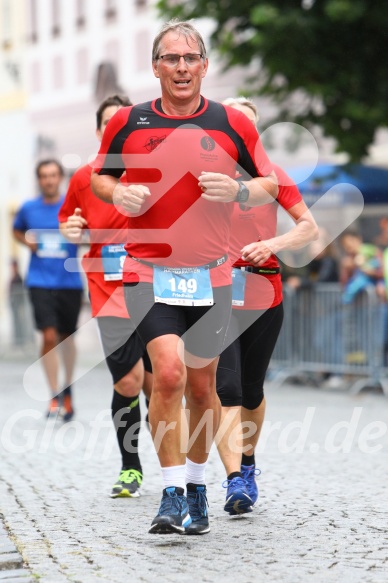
(180, 155)
(256, 321)
(83, 212)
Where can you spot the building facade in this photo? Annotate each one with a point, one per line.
(16, 144)
(79, 51)
(58, 60)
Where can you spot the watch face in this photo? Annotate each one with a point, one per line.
(243, 193)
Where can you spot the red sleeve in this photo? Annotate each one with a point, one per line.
(73, 199)
(254, 152)
(109, 160)
(289, 194)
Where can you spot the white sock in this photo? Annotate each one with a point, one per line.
(174, 476)
(195, 473)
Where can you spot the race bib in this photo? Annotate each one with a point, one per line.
(52, 245)
(239, 279)
(183, 286)
(113, 257)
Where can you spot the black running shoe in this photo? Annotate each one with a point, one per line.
(198, 505)
(173, 515)
(67, 408)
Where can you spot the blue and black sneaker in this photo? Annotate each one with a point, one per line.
(249, 474)
(238, 500)
(173, 515)
(198, 505)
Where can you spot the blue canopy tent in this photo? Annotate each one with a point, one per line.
(371, 181)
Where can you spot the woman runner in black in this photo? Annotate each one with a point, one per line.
(255, 325)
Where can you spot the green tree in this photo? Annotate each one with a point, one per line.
(322, 61)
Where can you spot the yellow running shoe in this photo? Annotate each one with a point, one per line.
(128, 484)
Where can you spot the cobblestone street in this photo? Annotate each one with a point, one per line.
(322, 514)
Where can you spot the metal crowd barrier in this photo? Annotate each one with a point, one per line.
(323, 335)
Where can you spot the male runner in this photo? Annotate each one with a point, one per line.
(180, 154)
(55, 294)
(83, 211)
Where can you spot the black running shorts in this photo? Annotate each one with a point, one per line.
(243, 364)
(122, 346)
(56, 308)
(203, 328)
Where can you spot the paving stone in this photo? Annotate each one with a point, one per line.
(11, 560)
(322, 515)
(16, 576)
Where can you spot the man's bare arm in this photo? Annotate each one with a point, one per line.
(130, 197)
(222, 188)
(29, 242)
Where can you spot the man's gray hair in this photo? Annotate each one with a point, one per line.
(186, 29)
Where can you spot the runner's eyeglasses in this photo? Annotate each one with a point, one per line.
(191, 59)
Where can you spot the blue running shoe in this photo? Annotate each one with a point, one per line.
(249, 474)
(198, 505)
(173, 515)
(237, 497)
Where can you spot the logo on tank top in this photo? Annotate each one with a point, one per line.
(143, 122)
(208, 143)
(154, 142)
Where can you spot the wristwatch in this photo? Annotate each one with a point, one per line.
(242, 193)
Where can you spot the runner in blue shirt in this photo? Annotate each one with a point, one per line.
(55, 293)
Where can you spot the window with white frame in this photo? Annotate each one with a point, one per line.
(36, 77)
(110, 10)
(82, 66)
(143, 50)
(6, 24)
(80, 11)
(33, 21)
(58, 80)
(55, 18)
(141, 4)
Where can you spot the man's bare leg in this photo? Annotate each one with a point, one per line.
(256, 417)
(228, 441)
(68, 352)
(169, 380)
(204, 409)
(50, 363)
